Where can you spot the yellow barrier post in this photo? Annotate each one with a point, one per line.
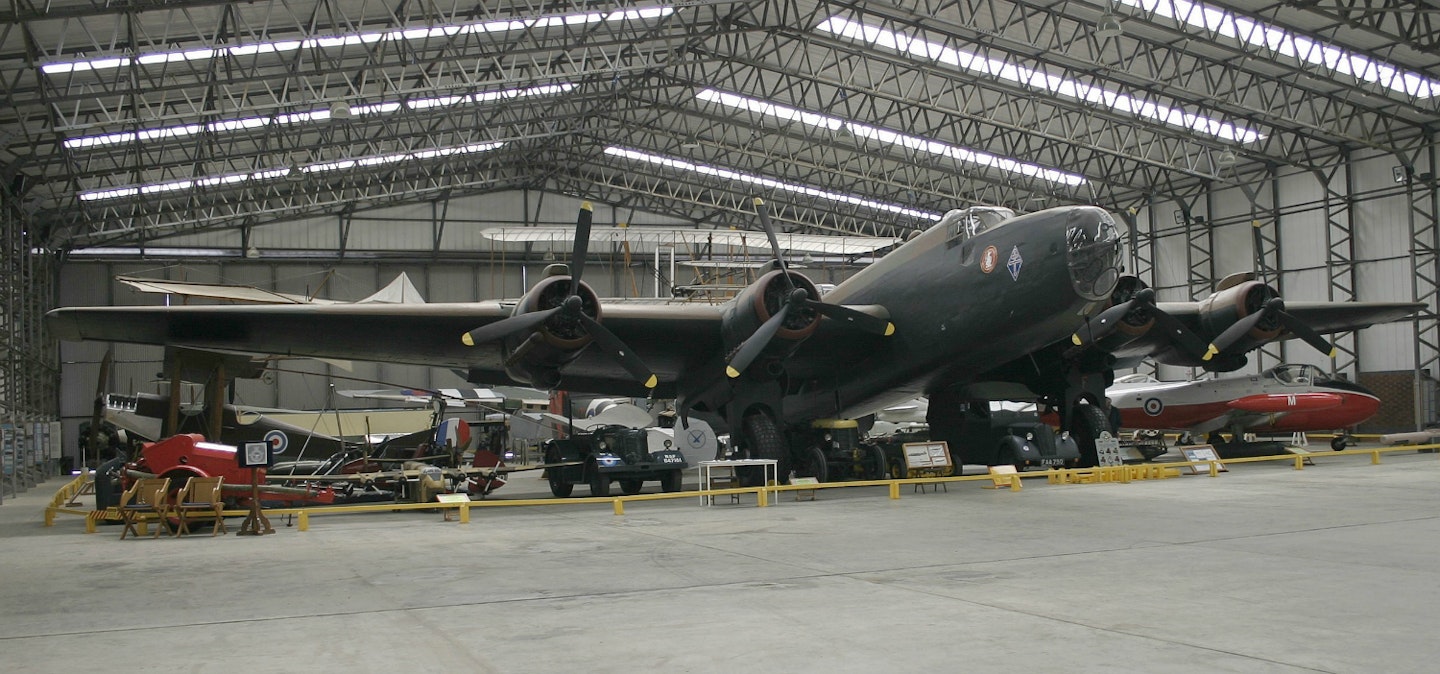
(1375, 457)
(763, 497)
(465, 513)
(894, 490)
(1214, 469)
(1014, 483)
(1299, 462)
(619, 506)
(303, 521)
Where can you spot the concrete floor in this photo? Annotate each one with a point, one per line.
(1263, 569)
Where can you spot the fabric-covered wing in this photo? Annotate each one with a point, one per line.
(668, 338)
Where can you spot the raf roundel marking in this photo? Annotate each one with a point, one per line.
(278, 441)
(1154, 407)
(988, 259)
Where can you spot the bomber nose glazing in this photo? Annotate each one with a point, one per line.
(1093, 251)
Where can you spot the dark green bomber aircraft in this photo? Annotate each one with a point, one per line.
(982, 305)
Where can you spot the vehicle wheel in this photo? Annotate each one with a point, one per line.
(879, 466)
(670, 482)
(1338, 442)
(762, 441)
(1086, 427)
(1015, 459)
(599, 484)
(814, 464)
(558, 486)
(631, 487)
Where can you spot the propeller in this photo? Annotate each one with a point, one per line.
(797, 298)
(1273, 308)
(570, 309)
(1109, 320)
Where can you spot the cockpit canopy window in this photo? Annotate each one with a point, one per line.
(962, 224)
(1297, 375)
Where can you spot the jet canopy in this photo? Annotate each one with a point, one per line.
(1296, 375)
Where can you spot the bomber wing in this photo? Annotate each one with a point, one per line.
(1319, 318)
(670, 338)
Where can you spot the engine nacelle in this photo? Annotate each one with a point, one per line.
(1221, 309)
(761, 300)
(1135, 324)
(537, 356)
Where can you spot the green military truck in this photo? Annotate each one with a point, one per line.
(630, 456)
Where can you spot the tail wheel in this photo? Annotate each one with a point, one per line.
(763, 441)
(631, 487)
(1086, 426)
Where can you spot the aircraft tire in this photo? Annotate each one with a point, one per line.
(1089, 422)
(670, 482)
(1338, 443)
(631, 487)
(558, 486)
(763, 441)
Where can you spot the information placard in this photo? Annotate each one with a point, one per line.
(928, 458)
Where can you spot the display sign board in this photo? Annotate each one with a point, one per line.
(1107, 450)
(928, 458)
(1202, 453)
(254, 455)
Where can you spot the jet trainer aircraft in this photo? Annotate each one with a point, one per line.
(1282, 399)
(983, 305)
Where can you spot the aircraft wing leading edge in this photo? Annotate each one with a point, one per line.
(671, 337)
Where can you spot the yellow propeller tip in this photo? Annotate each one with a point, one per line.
(732, 372)
(759, 202)
(1210, 353)
(465, 339)
(651, 382)
(1333, 351)
(587, 206)
(889, 329)
(1076, 339)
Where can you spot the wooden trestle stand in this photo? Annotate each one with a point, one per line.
(255, 455)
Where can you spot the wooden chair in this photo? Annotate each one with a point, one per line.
(200, 495)
(150, 495)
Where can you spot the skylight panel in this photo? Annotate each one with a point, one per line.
(326, 42)
(768, 183)
(939, 53)
(889, 137)
(308, 116)
(1286, 43)
(278, 173)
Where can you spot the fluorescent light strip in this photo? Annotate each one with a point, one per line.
(399, 34)
(889, 137)
(1285, 43)
(156, 252)
(932, 51)
(273, 174)
(769, 183)
(316, 115)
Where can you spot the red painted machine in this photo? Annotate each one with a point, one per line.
(181, 457)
